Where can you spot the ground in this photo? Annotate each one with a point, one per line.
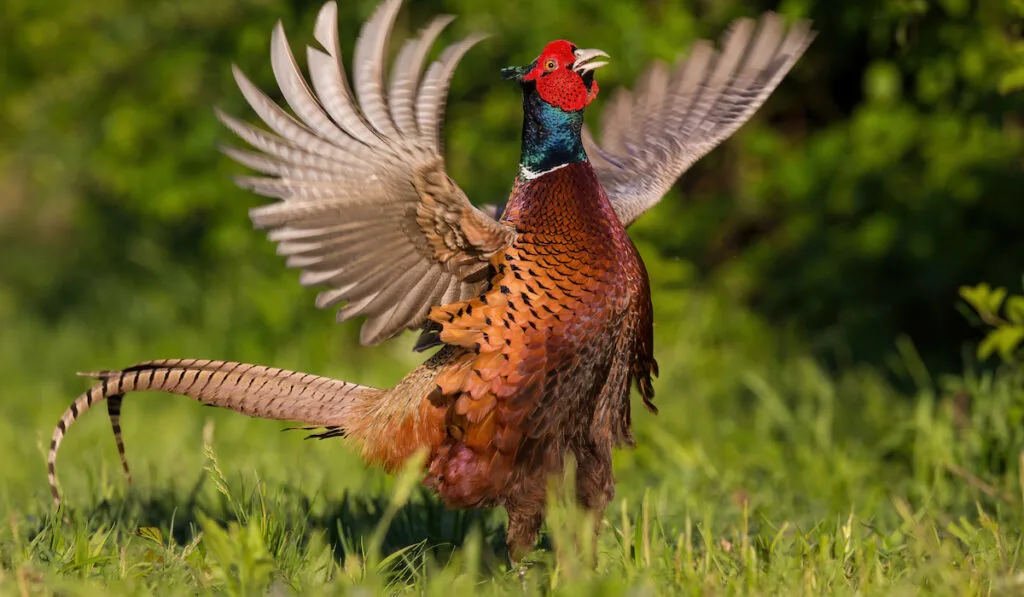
(765, 473)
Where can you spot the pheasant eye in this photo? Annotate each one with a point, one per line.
(550, 65)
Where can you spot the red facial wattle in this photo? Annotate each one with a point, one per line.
(557, 83)
(565, 89)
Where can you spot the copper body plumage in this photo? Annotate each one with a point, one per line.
(541, 314)
(546, 356)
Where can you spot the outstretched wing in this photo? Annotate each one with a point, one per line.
(651, 136)
(366, 207)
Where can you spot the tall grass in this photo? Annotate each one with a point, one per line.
(766, 473)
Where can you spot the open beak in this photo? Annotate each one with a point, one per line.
(585, 60)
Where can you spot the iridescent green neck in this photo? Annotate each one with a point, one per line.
(551, 136)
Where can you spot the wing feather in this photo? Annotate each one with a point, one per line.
(366, 208)
(268, 165)
(434, 89)
(675, 117)
(285, 125)
(297, 93)
(327, 72)
(406, 74)
(273, 145)
(369, 70)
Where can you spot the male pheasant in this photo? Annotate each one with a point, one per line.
(543, 315)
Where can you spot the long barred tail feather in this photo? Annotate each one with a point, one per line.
(253, 390)
(114, 411)
(327, 433)
(322, 432)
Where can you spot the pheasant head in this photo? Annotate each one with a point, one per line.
(563, 75)
(557, 86)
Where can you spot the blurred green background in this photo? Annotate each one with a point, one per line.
(816, 359)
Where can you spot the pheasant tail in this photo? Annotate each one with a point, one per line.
(253, 390)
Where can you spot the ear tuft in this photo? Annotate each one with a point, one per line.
(514, 73)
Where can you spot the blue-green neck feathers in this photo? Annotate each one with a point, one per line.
(551, 136)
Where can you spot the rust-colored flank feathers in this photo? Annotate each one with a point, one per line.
(542, 312)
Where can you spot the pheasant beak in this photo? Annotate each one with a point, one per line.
(585, 60)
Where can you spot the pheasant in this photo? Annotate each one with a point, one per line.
(542, 313)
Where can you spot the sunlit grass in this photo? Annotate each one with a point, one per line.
(764, 474)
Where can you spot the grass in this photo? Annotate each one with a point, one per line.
(765, 474)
